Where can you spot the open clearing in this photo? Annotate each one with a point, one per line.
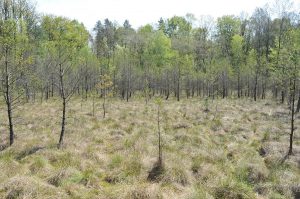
(234, 150)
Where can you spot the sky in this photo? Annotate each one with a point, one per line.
(141, 12)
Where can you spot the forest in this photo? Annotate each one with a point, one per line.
(183, 108)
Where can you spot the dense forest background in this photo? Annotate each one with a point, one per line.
(243, 56)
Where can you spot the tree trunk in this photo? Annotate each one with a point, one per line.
(8, 100)
(298, 104)
(264, 88)
(86, 87)
(255, 87)
(276, 93)
(93, 105)
(293, 116)
(127, 94)
(248, 87)
(282, 96)
(168, 90)
(224, 91)
(42, 95)
(27, 93)
(178, 85)
(239, 86)
(47, 92)
(11, 126)
(159, 138)
(63, 122)
(62, 133)
(52, 86)
(104, 110)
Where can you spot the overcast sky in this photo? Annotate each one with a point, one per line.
(140, 12)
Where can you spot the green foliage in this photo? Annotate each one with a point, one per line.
(237, 52)
(64, 37)
(158, 52)
(178, 26)
(227, 27)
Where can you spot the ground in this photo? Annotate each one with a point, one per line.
(235, 149)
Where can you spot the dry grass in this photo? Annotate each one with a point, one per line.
(231, 151)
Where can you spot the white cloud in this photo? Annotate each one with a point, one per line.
(140, 12)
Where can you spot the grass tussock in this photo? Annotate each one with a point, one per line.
(211, 149)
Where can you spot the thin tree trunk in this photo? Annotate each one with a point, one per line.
(298, 104)
(178, 85)
(159, 138)
(11, 126)
(282, 96)
(248, 87)
(224, 86)
(276, 93)
(61, 139)
(8, 97)
(104, 99)
(42, 95)
(86, 87)
(239, 88)
(62, 133)
(52, 86)
(168, 90)
(255, 87)
(47, 92)
(293, 117)
(93, 105)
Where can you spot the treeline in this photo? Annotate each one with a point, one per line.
(46, 56)
(234, 56)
